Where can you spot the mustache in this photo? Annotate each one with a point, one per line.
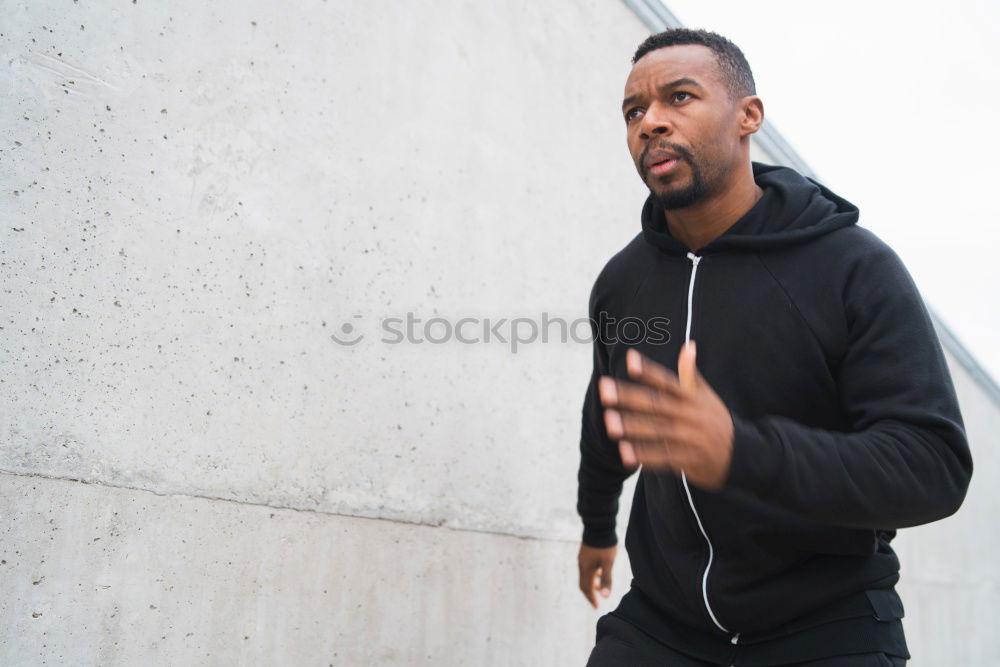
(681, 151)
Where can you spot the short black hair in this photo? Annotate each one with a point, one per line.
(732, 63)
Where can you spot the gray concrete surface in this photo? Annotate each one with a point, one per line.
(200, 196)
(93, 575)
(205, 193)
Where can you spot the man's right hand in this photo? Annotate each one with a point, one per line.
(595, 571)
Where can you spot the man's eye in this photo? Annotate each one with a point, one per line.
(681, 96)
(632, 114)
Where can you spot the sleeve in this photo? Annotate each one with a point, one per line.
(905, 460)
(601, 472)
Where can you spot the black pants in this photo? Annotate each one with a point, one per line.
(621, 644)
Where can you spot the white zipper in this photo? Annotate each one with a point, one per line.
(711, 551)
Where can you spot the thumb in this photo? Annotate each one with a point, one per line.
(606, 577)
(687, 370)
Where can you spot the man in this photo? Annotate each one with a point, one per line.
(815, 416)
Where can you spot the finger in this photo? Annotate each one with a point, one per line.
(677, 452)
(587, 575)
(639, 397)
(687, 370)
(608, 389)
(606, 579)
(655, 455)
(637, 425)
(643, 369)
(627, 453)
(680, 435)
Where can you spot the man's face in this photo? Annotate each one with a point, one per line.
(682, 126)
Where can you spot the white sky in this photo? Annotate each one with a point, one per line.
(894, 105)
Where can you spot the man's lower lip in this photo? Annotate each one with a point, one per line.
(664, 167)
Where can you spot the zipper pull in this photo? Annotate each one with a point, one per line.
(735, 639)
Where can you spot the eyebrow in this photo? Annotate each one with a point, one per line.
(683, 81)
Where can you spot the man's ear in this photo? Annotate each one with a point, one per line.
(751, 115)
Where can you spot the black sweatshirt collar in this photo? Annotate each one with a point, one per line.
(793, 209)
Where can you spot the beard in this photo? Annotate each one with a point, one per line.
(686, 196)
(695, 190)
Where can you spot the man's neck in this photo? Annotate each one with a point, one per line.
(699, 224)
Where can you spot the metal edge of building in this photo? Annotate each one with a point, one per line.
(655, 15)
(979, 374)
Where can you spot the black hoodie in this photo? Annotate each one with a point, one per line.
(847, 427)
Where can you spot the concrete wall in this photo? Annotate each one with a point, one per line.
(102, 575)
(197, 197)
(202, 197)
(205, 193)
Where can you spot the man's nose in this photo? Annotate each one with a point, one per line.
(655, 121)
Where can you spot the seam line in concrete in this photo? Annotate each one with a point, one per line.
(237, 501)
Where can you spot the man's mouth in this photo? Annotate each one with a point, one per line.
(662, 160)
(663, 166)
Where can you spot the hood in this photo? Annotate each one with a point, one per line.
(793, 209)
